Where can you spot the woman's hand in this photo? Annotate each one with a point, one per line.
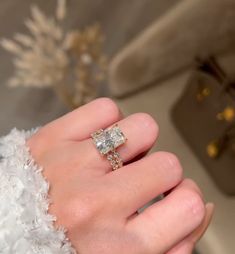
(98, 206)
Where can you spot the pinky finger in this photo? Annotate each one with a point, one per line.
(188, 244)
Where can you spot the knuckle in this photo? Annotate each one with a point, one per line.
(146, 118)
(147, 122)
(109, 105)
(195, 205)
(193, 185)
(171, 161)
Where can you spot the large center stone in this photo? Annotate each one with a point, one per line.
(109, 139)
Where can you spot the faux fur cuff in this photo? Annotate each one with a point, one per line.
(25, 225)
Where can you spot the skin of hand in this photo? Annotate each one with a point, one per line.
(98, 206)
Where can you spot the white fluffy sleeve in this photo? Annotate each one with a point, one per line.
(25, 225)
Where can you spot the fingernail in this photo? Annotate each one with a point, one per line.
(210, 207)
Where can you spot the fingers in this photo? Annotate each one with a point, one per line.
(188, 244)
(141, 131)
(169, 221)
(80, 123)
(143, 180)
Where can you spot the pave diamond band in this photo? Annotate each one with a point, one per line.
(115, 159)
(106, 142)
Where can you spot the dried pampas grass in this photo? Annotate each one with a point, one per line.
(70, 62)
(61, 9)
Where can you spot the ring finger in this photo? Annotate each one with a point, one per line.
(141, 132)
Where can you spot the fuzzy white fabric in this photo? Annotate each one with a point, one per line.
(25, 225)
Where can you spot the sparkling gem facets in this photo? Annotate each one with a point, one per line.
(109, 139)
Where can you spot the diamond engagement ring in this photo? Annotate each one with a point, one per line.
(106, 141)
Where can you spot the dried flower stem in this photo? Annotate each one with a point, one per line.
(71, 63)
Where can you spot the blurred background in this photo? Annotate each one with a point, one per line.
(174, 59)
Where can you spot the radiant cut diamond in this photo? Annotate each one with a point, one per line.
(109, 139)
